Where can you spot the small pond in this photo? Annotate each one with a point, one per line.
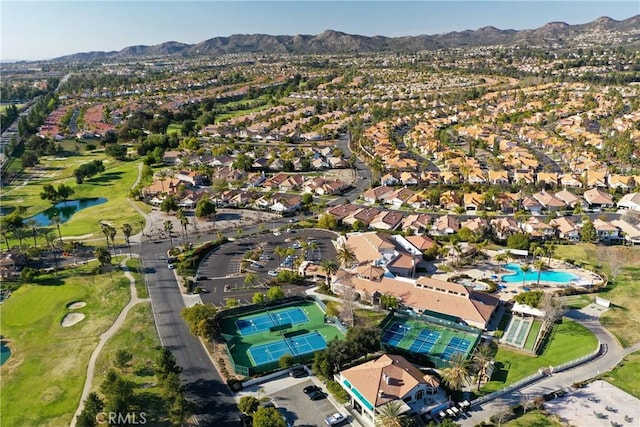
(5, 352)
(65, 210)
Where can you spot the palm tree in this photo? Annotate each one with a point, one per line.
(345, 256)
(56, 221)
(538, 252)
(539, 265)
(549, 248)
(112, 235)
(168, 227)
(280, 252)
(127, 230)
(33, 225)
(313, 246)
(390, 415)
(457, 374)
(104, 227)
(525, 268)
(330, 268)
(184, 221)
(457, 248)
(481, 359)
(501, 258)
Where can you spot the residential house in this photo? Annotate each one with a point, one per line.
(286, 204)
(190, 177)
(622, 182)
(570, 199)
(595, 179)
(630, 201)
(450, 200)
(548, 178)
(172, 158)
(389, 180)
(598, 199)
(549, 202)
(373, 195)
(342, 211)
(569, 180)
(421, 242)
(538, 229)
(387, 220)
(416, 223)
(524, 177)
(607, 232)
(364, 215)
(532, 205)
(445, 225)
(398, 197)
(566, 229)
(498, 177)
(504, 227)
(409, 178)
(388, 379)
(473, 201)
(476, 224)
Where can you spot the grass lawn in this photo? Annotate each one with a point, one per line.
(533, 419)
(568, 342)
(577, 301)
(626, 375)
(43, 378)
(369, 318)
(134, 265)
(175, 128)
(139, 335)
(114, 184)
(222, 117)
(623, 290)
(533, 334)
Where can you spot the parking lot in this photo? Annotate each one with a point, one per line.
(220, 276)
(287, 393)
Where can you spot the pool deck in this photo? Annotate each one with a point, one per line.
(485, 271)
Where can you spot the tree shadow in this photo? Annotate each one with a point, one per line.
(105, 178)
(500, 373)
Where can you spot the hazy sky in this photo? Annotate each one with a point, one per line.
(48, 29)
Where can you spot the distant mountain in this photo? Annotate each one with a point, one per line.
(602, 31)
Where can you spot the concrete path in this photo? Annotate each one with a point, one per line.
(588, 317)
(105, 337)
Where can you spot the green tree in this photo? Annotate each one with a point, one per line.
(166, 364)
(126, 231)
(268, 417)
(482, 357)
(93, 405)
(456, 375)
(307, 199)
(258, 298)
(201, 319)
(274, 293)
(345, 256)
(327, 221)
(103, 256)
(205, 208)
(286, 361)
(330, 268)
(122, 359)
(168, 227)
(388, 301)
(169, 204)
(250, 279)
(518, 241)
(248, 404)
(391, 415)
(525, 269)
(588, 232)
(539, 266)
(118, 152)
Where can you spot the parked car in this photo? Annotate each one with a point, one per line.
(335, 419)
(171, 266)
(298, 372)
(272, 273)
(311, 389)
(316, 395)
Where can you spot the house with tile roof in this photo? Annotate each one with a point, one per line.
(598, 199)
(566, 228)
(630, 201)
(569, 180)
(388, 379)
(607, 232)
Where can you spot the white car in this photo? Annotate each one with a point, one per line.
(335, 419)
(171, 266)
(277, 233)
(272, 273)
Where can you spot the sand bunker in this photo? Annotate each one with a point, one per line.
(77, 304)
(71, 319)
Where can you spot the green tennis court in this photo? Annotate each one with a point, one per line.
(435, 339)
(257, 340)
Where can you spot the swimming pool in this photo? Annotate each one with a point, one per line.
(532, 275)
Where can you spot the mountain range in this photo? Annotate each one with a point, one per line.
(600, 32)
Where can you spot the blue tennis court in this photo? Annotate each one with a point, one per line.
(456, 345)
(266, 321)
(394, 334)
(295, 346)
(424, 341)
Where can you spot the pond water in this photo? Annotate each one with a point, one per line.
(5, 352)
(65, 210)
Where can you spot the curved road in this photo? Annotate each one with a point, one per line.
(589, 317)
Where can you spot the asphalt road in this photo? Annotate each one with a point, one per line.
(214, 404)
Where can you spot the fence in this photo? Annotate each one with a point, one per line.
(334, 320)
(602, 348)
(432, 319)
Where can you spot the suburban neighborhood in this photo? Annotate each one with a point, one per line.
(275, 231)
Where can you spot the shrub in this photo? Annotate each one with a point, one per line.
(498, 334)
(337, 391)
